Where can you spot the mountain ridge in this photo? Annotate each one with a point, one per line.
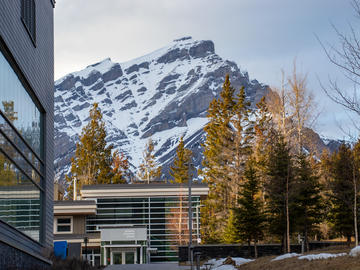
(163, 95)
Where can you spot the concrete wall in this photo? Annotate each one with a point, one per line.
(35, 63)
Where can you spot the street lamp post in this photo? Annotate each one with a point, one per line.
(190, 218)
(86, 240)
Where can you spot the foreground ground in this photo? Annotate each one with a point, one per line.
(344, 262)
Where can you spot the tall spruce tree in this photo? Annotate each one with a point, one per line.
(308, 204)
(240, 145)
(92, 162)
(149, 170)
(278, 187)
(341, 193)
(250, 216)
(215, 210)
(180, 169)
(356, 180)
(225, 150)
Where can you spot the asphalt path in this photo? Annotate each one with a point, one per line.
(151, 266)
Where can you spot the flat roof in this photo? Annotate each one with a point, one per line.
(142, 186)
(142, 190)
(74, 203)
(79, 207)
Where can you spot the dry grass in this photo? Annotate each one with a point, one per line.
(343, 262)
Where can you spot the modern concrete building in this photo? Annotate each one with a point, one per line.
(129, 223)
(26, 133)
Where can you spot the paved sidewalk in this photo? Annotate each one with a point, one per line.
(151, 266)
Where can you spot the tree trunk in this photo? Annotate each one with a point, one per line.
(284, 250)
(287, 214)
(249, 248)
(355, 208)
(348, 242)
(255, 248)
(306, 239)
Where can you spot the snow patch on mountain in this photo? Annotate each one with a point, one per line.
(163, 95)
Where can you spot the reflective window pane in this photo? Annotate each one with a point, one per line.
(19, 200)
(18, 159)
(64, 228)
(18, 107)
(13, 136)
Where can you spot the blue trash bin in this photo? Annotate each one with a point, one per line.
(60, 249)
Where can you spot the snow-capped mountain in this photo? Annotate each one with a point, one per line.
(163, 95)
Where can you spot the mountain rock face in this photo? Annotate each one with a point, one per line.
(163, 95)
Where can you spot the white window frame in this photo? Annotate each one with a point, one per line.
(56, 224)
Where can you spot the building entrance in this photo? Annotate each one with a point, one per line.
(126, 256)
(123, 245)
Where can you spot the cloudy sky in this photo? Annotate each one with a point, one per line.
(261, 36)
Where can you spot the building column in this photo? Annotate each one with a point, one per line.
(141, 255)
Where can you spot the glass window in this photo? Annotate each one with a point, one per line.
(11, 134)
(20, 152)
(63, 224)
(19, 200)
(18, 107)
(19, 159)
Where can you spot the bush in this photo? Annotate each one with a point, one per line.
(71, 264)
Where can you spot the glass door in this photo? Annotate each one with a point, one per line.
(117, 258)
(125, 256)
(129, 257)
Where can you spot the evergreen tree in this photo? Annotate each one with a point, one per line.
(262, 128)
(249, 214)
(225, 150)
(278, 187)
(92, 162)
(341, 191)
(356, 178)
(149, 170)
(231, 232)
(308, 200)
(262, 131)
(180, 169)
(239, 145)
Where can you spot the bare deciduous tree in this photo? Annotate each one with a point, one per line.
(347, 58)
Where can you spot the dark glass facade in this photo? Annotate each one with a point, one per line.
(166, 220)
(21, 153)
(18, 106)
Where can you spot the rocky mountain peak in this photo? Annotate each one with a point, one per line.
(163, 95)
(187, 48)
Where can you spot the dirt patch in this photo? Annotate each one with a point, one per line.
(338, 263)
